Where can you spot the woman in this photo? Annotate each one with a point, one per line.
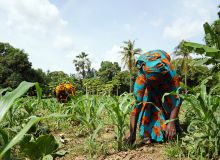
(156, 77)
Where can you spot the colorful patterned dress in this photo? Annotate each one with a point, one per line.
(156, 76)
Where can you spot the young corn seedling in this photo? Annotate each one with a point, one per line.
(88, 111)
(118, 110)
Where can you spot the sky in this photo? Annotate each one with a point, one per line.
(54, 32)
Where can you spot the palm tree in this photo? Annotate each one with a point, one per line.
(128, 58)
(183, 51)
(82, 64)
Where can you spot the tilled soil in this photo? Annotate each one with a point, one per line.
(74, 144)
(147, 152)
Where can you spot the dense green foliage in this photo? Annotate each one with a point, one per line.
(195, 73)
(15, 67)
(108, 79)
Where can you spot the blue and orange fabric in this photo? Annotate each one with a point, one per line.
(156, 76)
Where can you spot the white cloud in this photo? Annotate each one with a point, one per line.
(112, 55)
(35, 15)
(115, 49)
(72, 55)
(190, 23)
(183, 28)
(63, 42)
(38, 27)
(201, 9)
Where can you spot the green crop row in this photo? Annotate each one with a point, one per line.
(22, 119)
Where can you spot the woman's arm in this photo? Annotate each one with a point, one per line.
(171, 127)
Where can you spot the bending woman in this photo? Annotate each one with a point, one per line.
(156, 77)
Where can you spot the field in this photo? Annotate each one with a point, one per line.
(71, 73)
(93, 127)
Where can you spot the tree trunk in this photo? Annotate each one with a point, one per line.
(186, 82)
(186, 70)
(83, 70)
(130, 83)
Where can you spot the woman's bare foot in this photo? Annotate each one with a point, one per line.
(146, 140)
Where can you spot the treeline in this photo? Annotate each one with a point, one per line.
(15, 67)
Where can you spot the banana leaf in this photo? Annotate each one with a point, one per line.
(213, 36)
(203, 49)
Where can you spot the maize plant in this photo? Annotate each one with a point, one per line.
(88, 110)
(203, 137)
(119, 108)
(91, 144)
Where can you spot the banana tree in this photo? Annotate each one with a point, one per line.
(212, 47)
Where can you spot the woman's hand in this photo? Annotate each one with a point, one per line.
(171, 127)
(171, 130)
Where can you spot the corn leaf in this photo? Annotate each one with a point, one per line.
(39, 90)
(8, 99)
(5, 139)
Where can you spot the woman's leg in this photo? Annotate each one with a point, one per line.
(133, 127)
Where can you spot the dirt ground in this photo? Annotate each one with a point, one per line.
(147, 152)
(75, 146)
(154, 152)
